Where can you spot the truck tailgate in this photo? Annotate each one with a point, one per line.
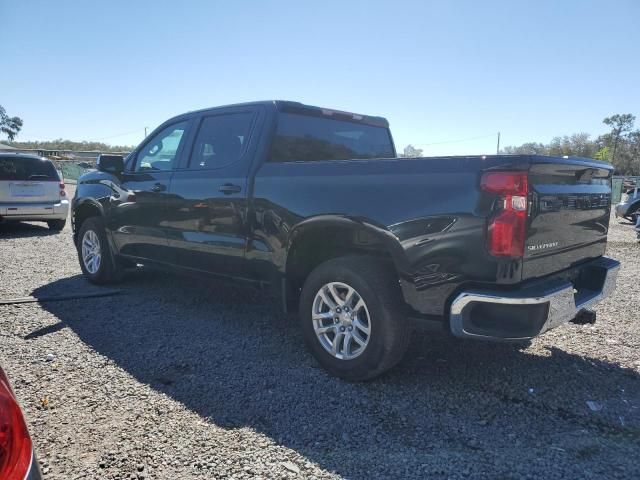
(568, 216)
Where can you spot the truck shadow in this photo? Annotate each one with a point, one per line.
(238, 363)
(23, 230)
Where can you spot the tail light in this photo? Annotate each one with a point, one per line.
(15, 443)
(63, 193)
(506, 228)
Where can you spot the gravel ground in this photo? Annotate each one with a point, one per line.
(179, 377)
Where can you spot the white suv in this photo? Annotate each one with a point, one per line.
(32, 189)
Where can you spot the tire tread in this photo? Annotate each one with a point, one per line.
(109, 271)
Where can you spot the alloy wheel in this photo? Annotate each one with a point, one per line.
(91, 252)
(341, 320)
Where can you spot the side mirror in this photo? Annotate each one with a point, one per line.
(110, 163)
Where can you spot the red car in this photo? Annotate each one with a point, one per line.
(17, 460)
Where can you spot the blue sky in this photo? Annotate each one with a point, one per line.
(440, 71)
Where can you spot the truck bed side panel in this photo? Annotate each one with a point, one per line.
(431, 207)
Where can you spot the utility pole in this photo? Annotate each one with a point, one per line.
(145, 132)
(498, 147)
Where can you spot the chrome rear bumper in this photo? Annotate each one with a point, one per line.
(523, 314)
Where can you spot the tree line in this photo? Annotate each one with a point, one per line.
(61, 144)
(620, 146)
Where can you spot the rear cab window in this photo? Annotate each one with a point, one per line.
(308, 138)
(26, 168)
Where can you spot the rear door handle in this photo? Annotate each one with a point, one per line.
(229, 188)
(158, 187)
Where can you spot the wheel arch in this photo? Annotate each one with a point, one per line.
(318, 239)
(83, 210)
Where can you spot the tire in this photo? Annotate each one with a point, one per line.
(384, 309)
(56, 225)
(107, 269)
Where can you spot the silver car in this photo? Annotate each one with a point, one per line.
(32, 189)
(629, 205)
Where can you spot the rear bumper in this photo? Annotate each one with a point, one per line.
(514, 315)
(35, 211)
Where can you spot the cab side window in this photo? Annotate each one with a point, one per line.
(221, 140)
(161, 151)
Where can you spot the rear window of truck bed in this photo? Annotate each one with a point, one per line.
(304, 138)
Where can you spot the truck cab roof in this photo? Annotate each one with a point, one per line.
(298, 107)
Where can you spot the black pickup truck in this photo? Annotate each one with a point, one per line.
(314, 204)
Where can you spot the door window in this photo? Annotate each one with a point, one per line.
(161, 151)
(221, 140)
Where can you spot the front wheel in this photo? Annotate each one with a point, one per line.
(96, 259)
(352, 317)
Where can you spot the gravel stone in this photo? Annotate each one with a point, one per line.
(182, 377)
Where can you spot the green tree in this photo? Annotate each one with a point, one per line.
(634, 146)
(620, 124)
(10, 126)
(61, 144)
(529, 148)
(576, 145)
(620, 146)
(603, 154)
(411, 151)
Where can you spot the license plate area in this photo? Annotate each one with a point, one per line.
(26, 189)
(588, 283)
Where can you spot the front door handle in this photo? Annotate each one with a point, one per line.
(158, 187)
(229, 188)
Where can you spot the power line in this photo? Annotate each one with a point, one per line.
(118, 135)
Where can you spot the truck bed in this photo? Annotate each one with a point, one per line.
(436, 211)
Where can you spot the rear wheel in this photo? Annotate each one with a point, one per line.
(352, 317)
(56, 225)
(96, 260)
(632, 215)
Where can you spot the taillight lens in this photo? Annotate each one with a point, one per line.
(506, 229)
(505, 183)
(63, 193)
(15, 443)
